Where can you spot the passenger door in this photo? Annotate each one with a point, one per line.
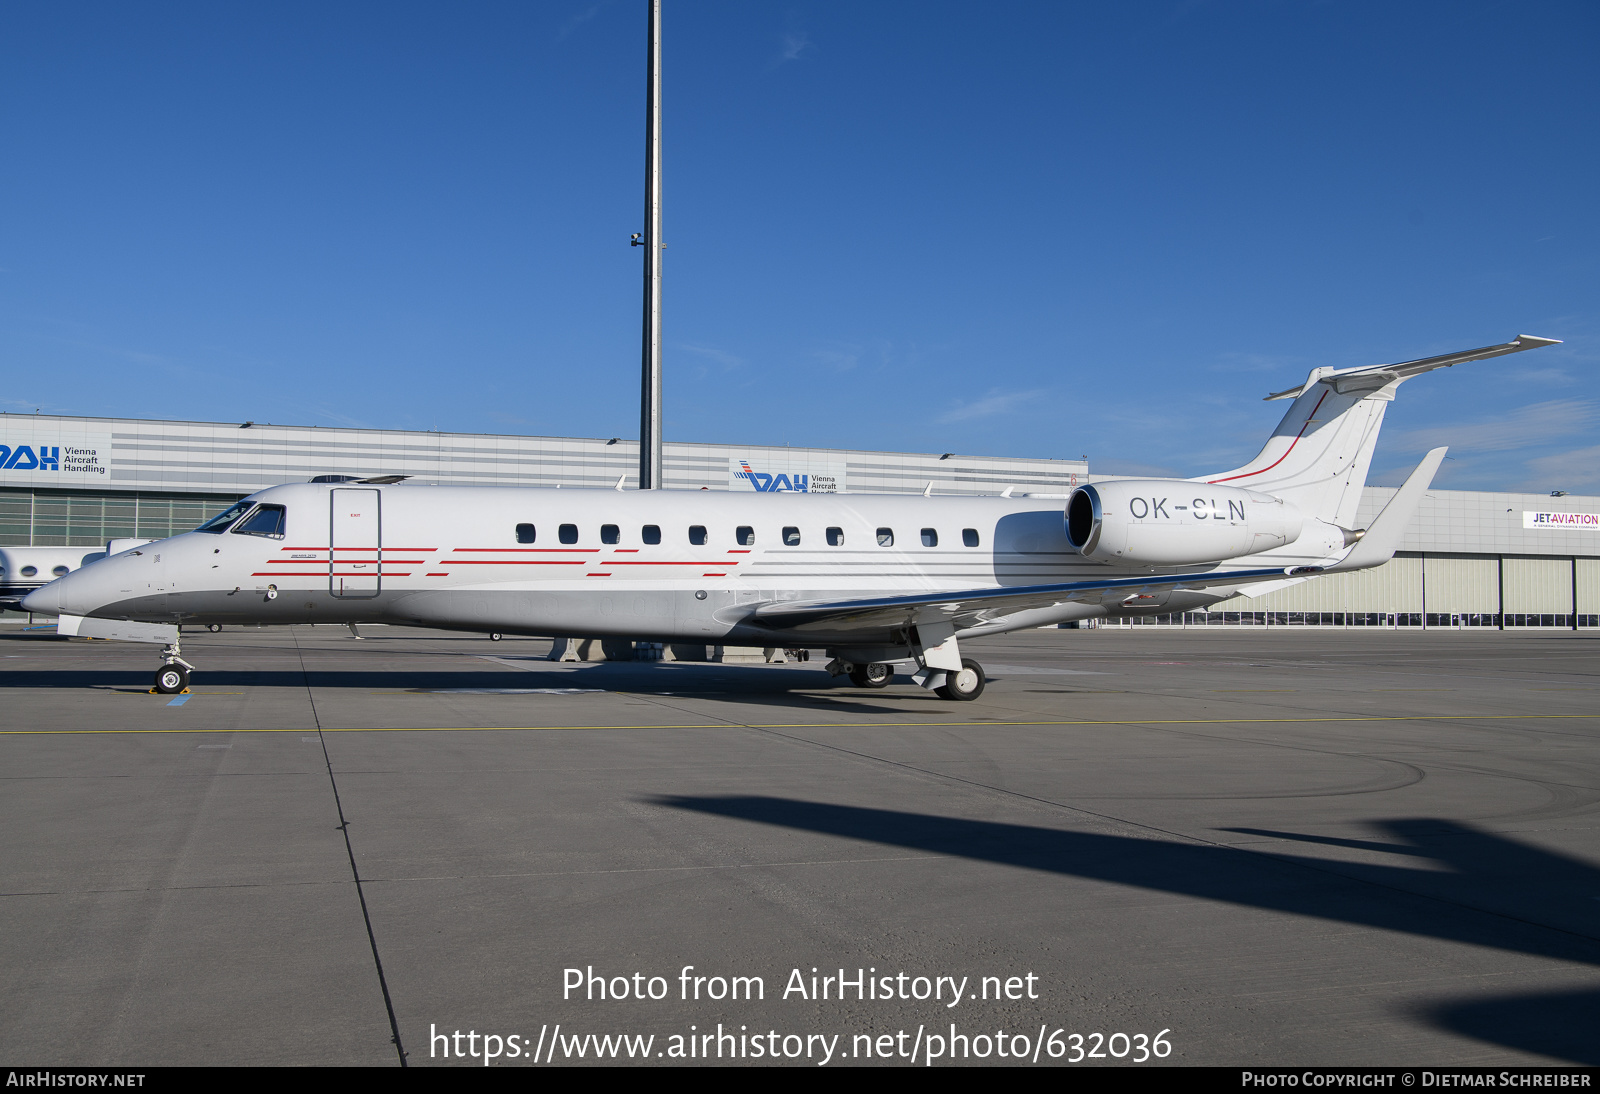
(355, 543)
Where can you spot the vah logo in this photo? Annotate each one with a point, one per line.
(23, 458)
(773, 484)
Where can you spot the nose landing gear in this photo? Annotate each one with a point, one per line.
(171, 679)
(173, 676)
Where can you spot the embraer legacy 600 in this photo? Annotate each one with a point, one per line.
(877, 581)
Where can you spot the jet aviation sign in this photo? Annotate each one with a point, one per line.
(1561, 522)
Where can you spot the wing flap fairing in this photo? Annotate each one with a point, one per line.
(974, 606)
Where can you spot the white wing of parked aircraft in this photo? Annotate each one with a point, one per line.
(874, 580)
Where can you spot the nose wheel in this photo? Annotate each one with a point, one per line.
(171, 679)
(173, 676)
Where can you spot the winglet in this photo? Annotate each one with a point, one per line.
(1383, 538)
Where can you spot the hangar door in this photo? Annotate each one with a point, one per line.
(355, 543)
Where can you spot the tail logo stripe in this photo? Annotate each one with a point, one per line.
(1309, 419)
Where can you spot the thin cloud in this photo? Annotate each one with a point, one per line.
(1258, 362)
(1130, 469)
(507, 419)
(1529, 425)
(987, 407)
(712, 353)
(578, 18)
(1565, 470)
(838, 359)
(138, 357)
(795, 42)
(28, 406)
(340, 419)
(1542, 376)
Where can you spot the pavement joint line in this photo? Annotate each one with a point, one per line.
(478, 877)
(847, 725)
(350, 851)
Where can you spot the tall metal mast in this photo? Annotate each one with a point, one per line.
(650, 389)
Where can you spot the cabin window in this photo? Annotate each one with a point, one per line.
(526, 533)
(697, 535)
(930, 538)
(791, 537)
(885, 537)
(746, 536)
(969, 537)
(219, 523)
(650, 533)
(62, 571)
(29, 571)
(610, 533)
(835, 537)
(265, 521)
(567, 533)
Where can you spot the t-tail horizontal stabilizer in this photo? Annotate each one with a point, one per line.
(1373, 377)
(1383, 538)
(1317, 457)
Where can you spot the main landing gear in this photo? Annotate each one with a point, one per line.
(173, 676)
(876, 675)
(963, 686)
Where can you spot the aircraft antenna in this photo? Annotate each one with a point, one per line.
(650, 386)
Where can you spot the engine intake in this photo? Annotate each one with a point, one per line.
(1169, 522)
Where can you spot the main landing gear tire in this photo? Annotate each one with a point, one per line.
(213, 627)
(963, 686)
(875, 675)
(172, 679)
(495, 636)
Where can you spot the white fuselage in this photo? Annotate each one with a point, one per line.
(581, 562)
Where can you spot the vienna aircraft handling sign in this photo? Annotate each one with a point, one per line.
(53, 456)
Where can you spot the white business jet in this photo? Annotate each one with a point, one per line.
(877, 581)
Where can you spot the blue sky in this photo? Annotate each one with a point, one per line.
(1030, 229)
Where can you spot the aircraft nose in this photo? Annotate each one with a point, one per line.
(77, 593)
(44, 601)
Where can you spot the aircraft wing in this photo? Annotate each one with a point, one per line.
(870, 618)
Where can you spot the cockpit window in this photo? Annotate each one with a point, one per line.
(219, 523)
(265, 521)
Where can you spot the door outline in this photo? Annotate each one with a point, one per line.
(350, 586)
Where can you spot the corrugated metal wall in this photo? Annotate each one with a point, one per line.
(1436, 591)
(1541, 585)
(1393, 587)
(1588, 586)
(1461, 585)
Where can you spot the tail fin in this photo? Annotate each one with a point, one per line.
(1318, 456)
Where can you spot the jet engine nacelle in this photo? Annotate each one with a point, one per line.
(1169, 522)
